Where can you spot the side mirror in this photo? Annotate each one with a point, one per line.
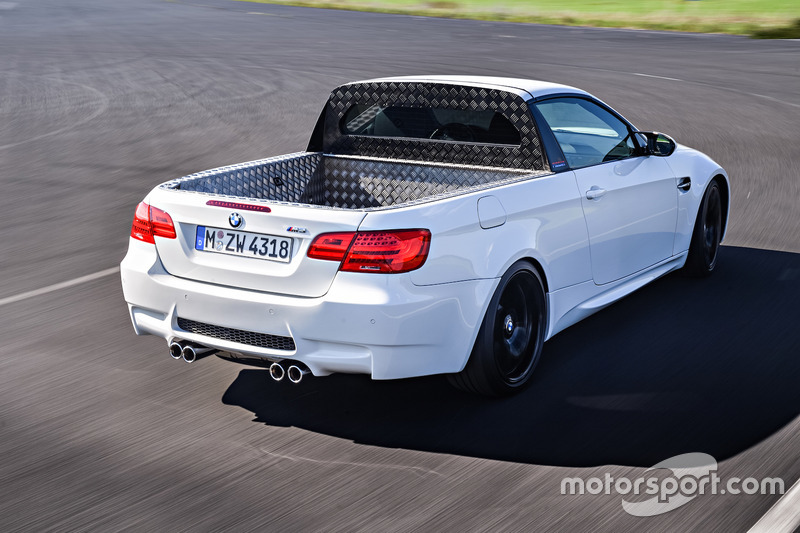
(655, 143)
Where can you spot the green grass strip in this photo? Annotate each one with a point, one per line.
(771, 19)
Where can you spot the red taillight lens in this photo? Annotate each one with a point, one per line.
(161, 223)
(374, 251)
(150, 221)
(141, 229)
(331, 246)
(388, 251)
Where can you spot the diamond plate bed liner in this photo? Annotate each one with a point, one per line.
(348, 182)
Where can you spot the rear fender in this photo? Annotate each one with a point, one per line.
(544, 221)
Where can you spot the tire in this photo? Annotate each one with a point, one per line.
(510, 339)
(707, 234)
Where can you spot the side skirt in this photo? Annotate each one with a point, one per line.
(572, 304)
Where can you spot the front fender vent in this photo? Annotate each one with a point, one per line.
(250, 338)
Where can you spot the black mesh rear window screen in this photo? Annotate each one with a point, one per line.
(467, 125)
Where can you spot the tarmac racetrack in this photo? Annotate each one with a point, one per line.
(102, 430)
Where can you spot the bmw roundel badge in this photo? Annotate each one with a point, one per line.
(236, 220)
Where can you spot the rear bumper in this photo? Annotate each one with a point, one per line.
(376, 324)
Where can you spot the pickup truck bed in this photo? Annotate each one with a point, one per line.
(349, 182)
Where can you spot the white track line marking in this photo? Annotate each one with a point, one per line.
(782, 517)
(59, 286)
(703, 84)
(652, 76)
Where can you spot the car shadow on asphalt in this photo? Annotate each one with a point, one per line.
(683, 365)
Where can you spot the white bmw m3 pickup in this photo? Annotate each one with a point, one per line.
(434, 225)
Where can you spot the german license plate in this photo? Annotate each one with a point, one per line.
(243, 243)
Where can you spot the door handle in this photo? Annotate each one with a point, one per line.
(685, 184)
(595, 193)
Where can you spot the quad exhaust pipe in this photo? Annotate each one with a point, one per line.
(276, 371)
(193, 352)
(295, 373)
(175, 350)
(189, 351)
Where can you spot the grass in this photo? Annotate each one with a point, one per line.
(782, 32)
(758, 18)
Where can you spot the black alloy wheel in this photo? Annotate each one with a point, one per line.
(704, 247)
(511, 336)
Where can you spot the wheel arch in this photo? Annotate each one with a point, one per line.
(539, 268)
(725, 192)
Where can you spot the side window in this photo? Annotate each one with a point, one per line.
(587, 133)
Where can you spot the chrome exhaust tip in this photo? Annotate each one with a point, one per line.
(295, 374)
(175, 350)
(192, 352)
(276, 371)
(189, 355)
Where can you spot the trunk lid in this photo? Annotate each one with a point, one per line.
(260, 267)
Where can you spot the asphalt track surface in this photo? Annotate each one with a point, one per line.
(101, 430)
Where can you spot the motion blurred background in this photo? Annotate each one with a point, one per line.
(101, 430)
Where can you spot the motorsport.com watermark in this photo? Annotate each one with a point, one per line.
(692, 474)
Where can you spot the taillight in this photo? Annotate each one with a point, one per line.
(141, 229)
(331, 246)
(392, 251)
(149, 222)
(161, 223)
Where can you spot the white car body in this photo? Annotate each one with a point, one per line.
(590, 252)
